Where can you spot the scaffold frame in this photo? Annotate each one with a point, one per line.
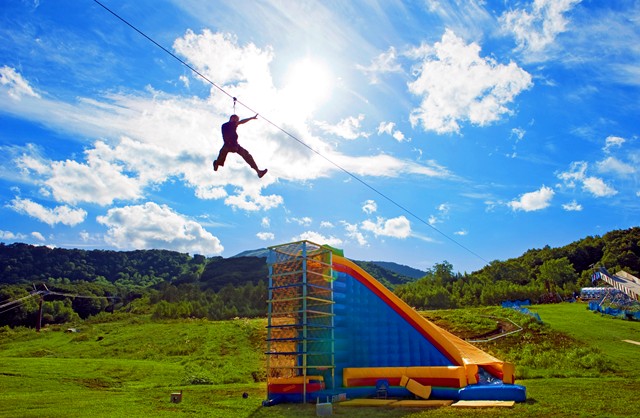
(300, 316)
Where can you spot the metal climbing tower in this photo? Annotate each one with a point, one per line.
(300, 329)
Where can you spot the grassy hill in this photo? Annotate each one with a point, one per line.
(130, 366)
(574, 364)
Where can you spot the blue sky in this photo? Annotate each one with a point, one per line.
(480, 129)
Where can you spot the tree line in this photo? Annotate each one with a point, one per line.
(168, 284)
(540, 275)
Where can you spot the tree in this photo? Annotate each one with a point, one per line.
(557, 272)
(58, 312)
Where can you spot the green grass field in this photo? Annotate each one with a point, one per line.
(129, 367)
(609, 335)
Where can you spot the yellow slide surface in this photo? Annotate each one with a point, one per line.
(456, 349)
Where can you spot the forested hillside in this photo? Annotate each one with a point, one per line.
(76, 284)
(541, 275)
(166, 283)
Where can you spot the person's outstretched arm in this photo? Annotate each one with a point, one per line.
(247, 119)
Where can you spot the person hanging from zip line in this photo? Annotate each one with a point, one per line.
(230, 137)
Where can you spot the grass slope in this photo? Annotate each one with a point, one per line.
(130, 366)
(603, 332)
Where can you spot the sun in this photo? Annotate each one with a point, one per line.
(308, 85)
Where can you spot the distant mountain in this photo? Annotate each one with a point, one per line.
(384, 275)
(401, 269)
(389, 273)
(260, 252)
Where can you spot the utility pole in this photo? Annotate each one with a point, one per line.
(39, 323)
(40, 303)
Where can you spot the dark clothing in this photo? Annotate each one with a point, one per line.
(230, 137)
(229, 134)
(237, 149)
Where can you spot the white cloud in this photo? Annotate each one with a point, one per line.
(10, 236)
(538, 28)
(238, 64)
(613, 165)
(60, 214)
(185, 80)
(16, 86)
(532, 201)
(348, 128)
(462, 232)
(443, 211)
(518, 133)
(266, 236)
(369, 206)
(384, 63)
(98, 181)
(253, 201)
(456, 85)
(613, 142)
(107, 174)
(353, 232)
(265, 222)
(444, 208)
(386, 165)
(304, 221)
(326, 224)
(398, 136)
(573, 206)
(151, 226)
(37, 235)
(389, 129)
(578, 174)
(386, 128)
(318, 238)
(598, 187)
(399, 227)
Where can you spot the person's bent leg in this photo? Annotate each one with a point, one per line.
(222, 156)
(249, 159)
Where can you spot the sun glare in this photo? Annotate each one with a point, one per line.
(308, 85)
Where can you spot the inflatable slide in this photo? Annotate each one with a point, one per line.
(333, 330)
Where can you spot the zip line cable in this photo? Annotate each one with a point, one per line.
(11, 302)
(22, 301)
(235, 100)
(17, 303)
(80, 296)
(13, 307)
